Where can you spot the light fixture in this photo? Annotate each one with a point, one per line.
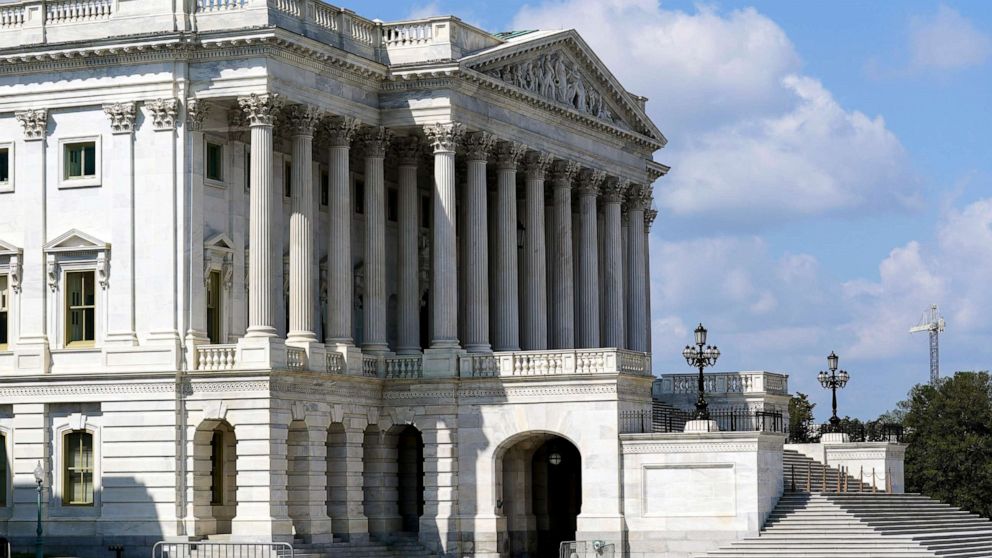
(832, 381)
(700, 357)
(554, 458)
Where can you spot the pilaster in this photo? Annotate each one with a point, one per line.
(119, 176)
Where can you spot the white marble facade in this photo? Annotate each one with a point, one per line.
(300, 275)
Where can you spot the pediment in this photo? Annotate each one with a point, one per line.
(8, 249)
(560, 69)
(219, 242)
(76, 241)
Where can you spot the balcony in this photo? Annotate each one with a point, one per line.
(722, 383)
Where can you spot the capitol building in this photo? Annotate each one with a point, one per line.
(271, 271)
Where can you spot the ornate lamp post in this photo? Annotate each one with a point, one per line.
(39, 477)
(701, 357)
(835, 379)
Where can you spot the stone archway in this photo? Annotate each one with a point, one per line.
(539, 492)
(214, 477)
(410, 481)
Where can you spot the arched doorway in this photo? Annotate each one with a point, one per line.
(298, 477)
(539, 491)
(337, 480)
(410, 485)
(215, 477)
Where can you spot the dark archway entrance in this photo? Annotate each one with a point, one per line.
(410, 469)
(540, 494)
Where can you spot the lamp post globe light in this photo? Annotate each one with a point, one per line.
(700, 357)
(832, 381)
(39, 478)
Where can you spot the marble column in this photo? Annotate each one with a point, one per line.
(649, 217)
(120, 170)
(260, 111)
(32, 352)
(562, 276)
(637, 326)
(613, 306)
(374, 141)
(476, 265)
(506, 330)
(303, 225)
(408, 296)
(443, 138)
(535, 305)
(587, 276)
(340, 131)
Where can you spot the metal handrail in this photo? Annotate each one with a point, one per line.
(219, 549)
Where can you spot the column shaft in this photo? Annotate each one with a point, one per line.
(444, 289)
(562, 277)
(302, 231)
(613, 305)
(476, 263)
(636, 301)
(587, 277)
(375, 141)
(506, 334)
(649, 217)
(261, 268)
(408, 299)
(535, 323)
(339, 264)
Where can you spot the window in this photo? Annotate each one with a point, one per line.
(215, 162)
(3, 471)
(79, 160)
(425, 211)
(80, 309)
(360, 197)
(4, 166)
(217, 468)
(213, 307)
(77, 474)
(4, 311)
(287, 179)
(392, 205)
(325, 188)
(247, 170)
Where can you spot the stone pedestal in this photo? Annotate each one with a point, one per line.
(701, 426)
(835, 438)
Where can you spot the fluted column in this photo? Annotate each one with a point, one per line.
(340, 132)
(637, 326)
(476, 265)
(613, 302)
(535, 306)
(587, 278)
(374, 142)
(301, 121)
(260, 111)
(562, 276)
(443, 138)
(649, 217)
(408, 296)
(506, 332)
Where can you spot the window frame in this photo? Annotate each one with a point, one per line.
(214, 284)
(84, 181)
(67, 474)
(8, 185)
(69, 308)
(215, 182)
(5, 302)
(6, 478)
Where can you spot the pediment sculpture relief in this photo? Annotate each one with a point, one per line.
(554, 76)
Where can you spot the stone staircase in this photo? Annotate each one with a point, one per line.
(852, 524)
(806, 474)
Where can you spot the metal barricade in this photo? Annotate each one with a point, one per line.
(586, 549)
(217, 549)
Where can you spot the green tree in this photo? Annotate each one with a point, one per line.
(800, 419)
(949, 428)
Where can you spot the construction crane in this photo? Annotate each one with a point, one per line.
(932, 322)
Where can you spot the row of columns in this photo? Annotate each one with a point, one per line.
(519, 321)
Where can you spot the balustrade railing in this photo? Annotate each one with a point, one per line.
(364, 31)
(219, 5)
(726, 383)
(216, 357)
(406, 34)
(334, 362)
(404, 366)
(370, 366)
(11, 16)
(75, 11)
(296, 358)
(291, 7)
(326, 17)
(558, 362)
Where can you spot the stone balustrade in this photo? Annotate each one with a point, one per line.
(334, 362)
(560, 362)
(296, 358)
(370, 366)
(216, 357)
(724, 383)
(404, 366)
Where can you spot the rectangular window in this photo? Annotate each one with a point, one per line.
(392, 205)
(360, 197)
(247, 170)
(80, 302)
(213, 307)
(287, 179)
(325, 188)
(215, 162)
(78, 469)
(217, 468)
(5, 165)
(80, 160)
(4, 311)
(3, 471)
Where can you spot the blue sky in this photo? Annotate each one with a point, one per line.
(832, 175)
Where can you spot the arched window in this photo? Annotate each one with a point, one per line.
(77, 489)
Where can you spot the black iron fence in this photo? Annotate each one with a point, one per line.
(857, 431)
(669, 419)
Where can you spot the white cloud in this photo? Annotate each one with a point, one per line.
(947, 41)
(753, 141)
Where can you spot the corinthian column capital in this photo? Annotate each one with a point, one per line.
(375, 140)
(478, 145)
(444, 136)
(408, 150)
(121, 117)
(649, 217)
(562, 173)
(509, 153)
(196, 111)
(613, 189)
(590, 181)
(260, 109)
(34, 122)
(163, 113)
(340, 130)
(638, 197)
(536, 164)
(301, 120)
